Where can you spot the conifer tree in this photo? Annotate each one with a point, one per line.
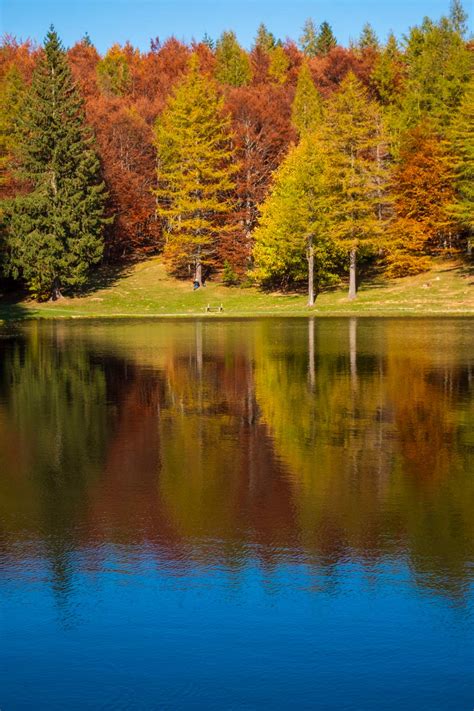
(353, 138)
(208, 42)
(307, 108)
(461, 141)
(55, 233)
(385, 76)
(195, 173)
(232, 62)
(368, 39)
(279, 65)
(458, 17)
(292, 240)
(438, 68)
(264, 40)
(325, 40)
(309, 39)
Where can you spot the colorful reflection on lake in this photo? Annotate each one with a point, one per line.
(226, 514)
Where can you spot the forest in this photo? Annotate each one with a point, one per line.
(290, 164)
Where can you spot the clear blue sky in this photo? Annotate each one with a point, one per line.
(109, 21)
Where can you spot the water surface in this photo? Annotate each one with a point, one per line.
(237, 514)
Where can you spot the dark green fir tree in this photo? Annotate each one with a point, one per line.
(55, 232)
(325, 40)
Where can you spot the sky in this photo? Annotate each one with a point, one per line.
(109, 21)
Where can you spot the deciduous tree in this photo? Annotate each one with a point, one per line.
(461, 141)
(309, 39)
(353, 140)
(307, 108)
(262, 132)
(232, 62)
(292, 239)
(195, 174)
(423, 192)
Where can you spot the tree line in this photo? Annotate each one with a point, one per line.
(290, 163)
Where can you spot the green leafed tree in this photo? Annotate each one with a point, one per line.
(438, 68)
(307, 108)
(233, 65)
(55, 232)
(354, 141)
(386, 74)
(309, 39)
(292, 240)
(325, 40)
(208, 42)
(461, 140)
(195, 173)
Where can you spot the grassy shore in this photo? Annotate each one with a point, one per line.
(145, 290)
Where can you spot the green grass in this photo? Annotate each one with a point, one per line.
(146, 290)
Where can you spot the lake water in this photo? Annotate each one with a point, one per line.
(224, 514)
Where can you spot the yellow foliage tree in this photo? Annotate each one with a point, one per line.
(195, 173)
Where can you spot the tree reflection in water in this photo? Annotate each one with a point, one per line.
(216, 442)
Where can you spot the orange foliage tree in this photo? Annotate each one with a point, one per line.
(423, 192)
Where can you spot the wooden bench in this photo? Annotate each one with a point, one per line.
(210, 308)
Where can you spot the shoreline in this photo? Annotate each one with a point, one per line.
(32, 315)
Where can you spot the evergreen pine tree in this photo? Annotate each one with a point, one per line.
(309, 39)
(307, 110)
(208, 41)
(55, 233)
(325, 40)
(368, 39)
(195, 173)
(232, 62)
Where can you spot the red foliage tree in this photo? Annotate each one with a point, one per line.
(262, 130)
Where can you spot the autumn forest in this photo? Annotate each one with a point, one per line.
(289, 163)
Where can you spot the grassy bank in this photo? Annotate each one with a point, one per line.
(145, 290)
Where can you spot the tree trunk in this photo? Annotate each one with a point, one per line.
(198, 273)
(352, 274)
(56, 291)
(310, 271)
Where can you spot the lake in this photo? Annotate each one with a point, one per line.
(237, 514)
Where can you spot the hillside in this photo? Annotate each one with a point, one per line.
(146, 290)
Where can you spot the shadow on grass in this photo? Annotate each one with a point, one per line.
(104, 278)
(12, 302)
(11, 312)
(467, 270)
